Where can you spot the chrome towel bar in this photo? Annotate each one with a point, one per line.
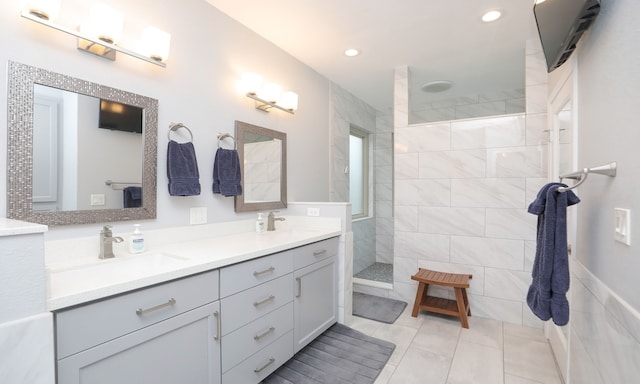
(607, 170)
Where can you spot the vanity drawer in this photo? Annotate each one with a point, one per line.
(243, 342)
(85, 326)
(262, 363)
(239, 277)
(309, 254)
(246, 306)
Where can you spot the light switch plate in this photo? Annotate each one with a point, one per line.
(198, 215)
(622, 224)
(97, 199)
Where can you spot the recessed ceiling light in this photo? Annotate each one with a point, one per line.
(351, 52)
(491, 15)
(437, 86)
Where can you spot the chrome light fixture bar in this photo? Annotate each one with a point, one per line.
(93, 45)
(265, 105)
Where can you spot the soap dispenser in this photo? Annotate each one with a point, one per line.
(136, 240)
(260, 223)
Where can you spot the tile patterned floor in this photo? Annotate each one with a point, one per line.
(437, 350)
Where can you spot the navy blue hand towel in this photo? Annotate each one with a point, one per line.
(226, 173)
(547, 293)
(132, 197)
(182, 169)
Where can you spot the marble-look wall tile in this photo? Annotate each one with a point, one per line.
(536, 127)
(503, 131)
(384, 248)
(453, 164)
(490, 193)
(27, 347)
(424, 192)
(537, 98)
(422, 246)
(510, 224)
(509, 311)
(517, 162)
(364, 240)
(407, 166)
(506, 284)
(406, 218)
(536, 68)
(481, 251)
(451, 221)
(423, 138)
(383, 174)
(529, 254)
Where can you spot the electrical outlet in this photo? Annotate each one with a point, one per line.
(313, 211)
(198, 215)
(97, 199)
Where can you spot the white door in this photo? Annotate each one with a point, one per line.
(563, 160)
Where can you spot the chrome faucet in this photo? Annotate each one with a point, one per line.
(271, 221)
(106, 243)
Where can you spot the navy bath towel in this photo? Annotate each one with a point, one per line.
(226, 173)
(182, 169)
(547, 293)
(132, 197)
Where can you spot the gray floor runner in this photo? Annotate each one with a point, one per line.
(377, 308)
(340, 355)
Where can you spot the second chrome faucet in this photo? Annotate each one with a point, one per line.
(271, 221)
(106, 243)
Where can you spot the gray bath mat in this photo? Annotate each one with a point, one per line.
(338, 356)
(377, 308)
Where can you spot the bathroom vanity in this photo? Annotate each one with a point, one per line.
(232, 317)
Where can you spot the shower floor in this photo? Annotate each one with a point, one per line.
(377, 272)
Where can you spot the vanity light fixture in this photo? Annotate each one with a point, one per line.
(269, 95)
(101, 32)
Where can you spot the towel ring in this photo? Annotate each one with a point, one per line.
(175, 126)
(222, 136)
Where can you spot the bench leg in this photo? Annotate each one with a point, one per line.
(422, 287)
(462, 309)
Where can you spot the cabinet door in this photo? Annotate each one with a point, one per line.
(181, 349)
(316, 300)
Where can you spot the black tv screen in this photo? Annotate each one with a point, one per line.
(561, 23)
(120, 117)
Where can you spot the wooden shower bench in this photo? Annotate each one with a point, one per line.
(458, 308)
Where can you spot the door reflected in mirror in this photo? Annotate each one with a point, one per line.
(88, 152)
(263, 163)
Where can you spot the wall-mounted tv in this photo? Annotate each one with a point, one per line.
(561, 23)
(120, 117)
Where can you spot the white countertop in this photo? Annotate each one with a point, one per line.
(9, 227)
(70, 277)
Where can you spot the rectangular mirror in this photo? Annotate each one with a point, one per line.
(263, 164)
(78, 152)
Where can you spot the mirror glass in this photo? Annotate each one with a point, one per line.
(78, 152)
(263, 164)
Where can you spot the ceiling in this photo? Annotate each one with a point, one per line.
(437, 39)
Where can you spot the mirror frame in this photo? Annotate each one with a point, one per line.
(240, 204)
(22, 79)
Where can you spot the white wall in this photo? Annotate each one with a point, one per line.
(209, 52)
(605, 305)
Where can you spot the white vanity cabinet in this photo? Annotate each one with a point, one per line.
(316, 290)
(167, 333)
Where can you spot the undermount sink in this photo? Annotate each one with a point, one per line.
(110, 271)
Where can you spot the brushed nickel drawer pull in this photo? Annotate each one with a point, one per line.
(271, 361)
(299, 283)
(169, 303)
(268, 299)
(268, 270)
(263, 334)
(319, 252)
(216, 314)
